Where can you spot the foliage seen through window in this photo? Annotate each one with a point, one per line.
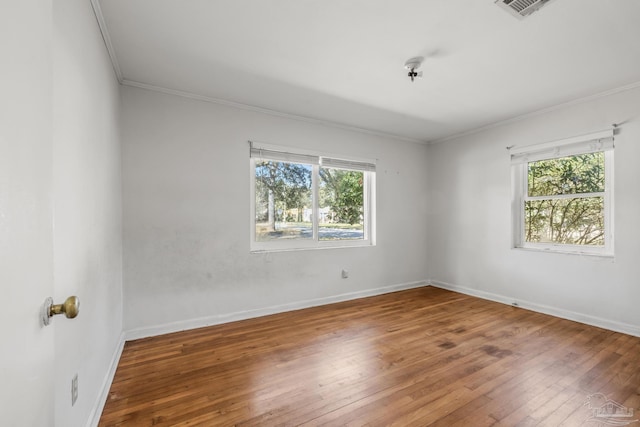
(284, 203)
(565, 202)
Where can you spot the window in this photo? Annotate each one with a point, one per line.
(563, 194)
(301, 201)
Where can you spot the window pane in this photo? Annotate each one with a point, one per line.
(283, 201)
(567, 175)
(578, 221)
(341, 203)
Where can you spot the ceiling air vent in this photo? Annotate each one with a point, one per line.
(521, 8)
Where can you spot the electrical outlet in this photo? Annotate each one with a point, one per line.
(74, 389)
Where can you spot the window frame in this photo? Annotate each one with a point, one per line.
(315, 160)
(521, 157)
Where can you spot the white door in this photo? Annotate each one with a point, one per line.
(26, 256)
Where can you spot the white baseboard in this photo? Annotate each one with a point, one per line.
(217, 319)
(545, 309)
(101, 400)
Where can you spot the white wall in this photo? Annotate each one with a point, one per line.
(87, 211)
(470, 219)
(186, 216)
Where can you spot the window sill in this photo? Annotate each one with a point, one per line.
(600, 255)
(311, 248)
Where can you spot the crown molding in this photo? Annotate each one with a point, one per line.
(123, 81)
(97, 10)
(546, 110)
(253, 108)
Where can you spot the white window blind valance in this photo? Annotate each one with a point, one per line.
(283, 155)
(591, 143)
(347, 164)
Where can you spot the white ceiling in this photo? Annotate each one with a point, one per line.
(342, 61)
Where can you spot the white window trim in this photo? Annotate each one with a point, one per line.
(367, 166)
(521, 156)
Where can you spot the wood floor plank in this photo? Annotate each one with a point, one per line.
(420, 357)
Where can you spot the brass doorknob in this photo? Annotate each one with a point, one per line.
(70, 307)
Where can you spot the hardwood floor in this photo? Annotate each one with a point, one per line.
(413, 358)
